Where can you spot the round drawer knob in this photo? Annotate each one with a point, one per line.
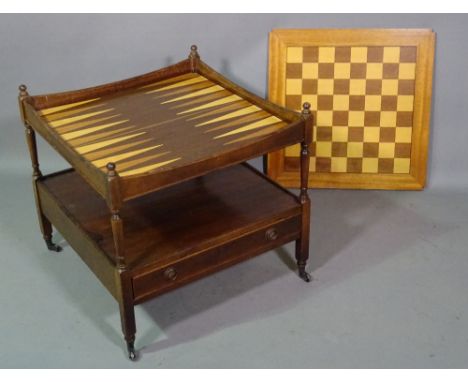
(271, 234)
(170, 274)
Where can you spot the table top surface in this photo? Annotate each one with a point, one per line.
(160, 126)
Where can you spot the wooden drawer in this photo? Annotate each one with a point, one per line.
(173, 275)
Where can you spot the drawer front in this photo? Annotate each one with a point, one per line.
(181, 272)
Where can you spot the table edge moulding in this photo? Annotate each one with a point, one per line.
(129, 224)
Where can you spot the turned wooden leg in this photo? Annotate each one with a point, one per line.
(127, 313)
(44, 223)
(127, 318)
(302, 244)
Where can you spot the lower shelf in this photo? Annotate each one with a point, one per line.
(176, 234)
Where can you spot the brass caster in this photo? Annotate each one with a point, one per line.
(131, 351)
(52, 247)
(305, 275)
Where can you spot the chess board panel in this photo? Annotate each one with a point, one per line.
(195, 118)
(363, 101)
(366, 94)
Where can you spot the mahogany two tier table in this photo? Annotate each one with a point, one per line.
(159, 192)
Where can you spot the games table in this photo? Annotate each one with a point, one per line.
(159, 193)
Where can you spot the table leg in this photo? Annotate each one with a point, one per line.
(44, 223)
(302, 245)
(127, 312)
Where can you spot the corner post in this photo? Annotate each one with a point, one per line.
(302, 245)
(194, 58)
(44, 223)
(115, 202)
(122, 279)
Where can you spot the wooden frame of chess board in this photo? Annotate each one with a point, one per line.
(370, 91)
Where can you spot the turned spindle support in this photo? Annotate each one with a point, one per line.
(302, 245)
(122, 279)
(44, 223)
(114, 202)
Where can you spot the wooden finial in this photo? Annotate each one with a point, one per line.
(23, 91)
(194, 58)
(194, 52)
(111, 169)
(306, 109)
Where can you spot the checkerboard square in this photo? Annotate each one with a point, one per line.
(326, 70)
(375, 54)
(343, 70)
(408, 54)
(373, 102)
(339, 149)
(390, 71)
(342, 54)
(340, 133)
(373, 87)
(387, 134)
(356, 118)
(358, 70)
(338, 164)
(389, 87)
(401, 165)
(407, 71)
(354, 165)
(357, 87)
(370, 150)
(341, 102)
(325, 86)
(324, 118)
(389, 103)
(324, 133)
(386, 150)
(404, 119)
(391, 54)
(293, 70)
(341, 87)
(358, 102)
(358, 54)
(374, 71)
(310, 54)
(323, 164)
(370, 165)
(325, 102)
(309, 87)
(388, 119)
(402, 150)
(310, 70)
(294, 55)
(293, 86)
(371, 134)
(356, 133)
(406, 87)
(403, 134)
(324, 149)
(385, 165)
(372, 118)
(405, 103)
(326, 54)
(293, 102)
(340, 118)
(355, 149)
